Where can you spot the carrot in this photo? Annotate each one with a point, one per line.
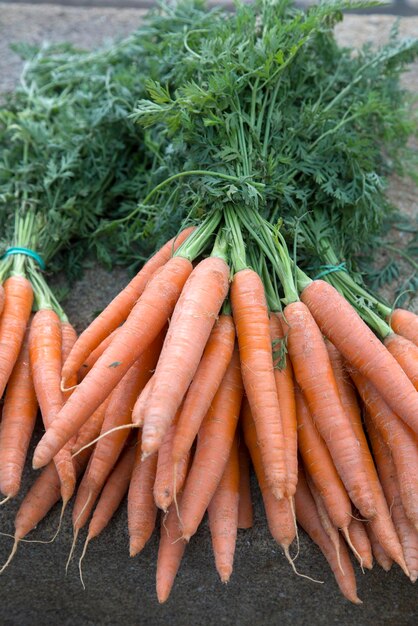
(2, 298)
(95, 354)
(205, 384)
(387, 474)
(170, 552)
(251, 319)
(279, 513)
(405, 323)
(18, 420)
(119, 412)
(92, 428)
(308, 518)
(140, 404)
(245, 508)
(214, 443)
(145, 322)
(170, 475)
(406, 354)
(382, 523)
(13, 322)
(45, 350)
(361, 348)
(327, 525)
(399, 438)
(119, 308)
(320, 467)
(360, 542)
(223, 516)
(283, 374)
(314, 374)
(379, 554)
(142, 511)
(112, 495)
(190, 327)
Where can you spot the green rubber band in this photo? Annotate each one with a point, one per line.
(329, 269)
(33, 255)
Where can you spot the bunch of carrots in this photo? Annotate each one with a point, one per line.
(193, 371)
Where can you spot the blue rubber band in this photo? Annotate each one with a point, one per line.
(329, 269)
(33, 255)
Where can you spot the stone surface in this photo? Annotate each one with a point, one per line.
(119, 590)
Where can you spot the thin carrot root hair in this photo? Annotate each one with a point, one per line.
(292, 508)
(65, 389)
(351, 546)
(11, 555)
(6, 499)
(28, 540)
(359, 519)
(164, 524)
(108, 432)
(293, 566)
(176, 504)
(80, 561)
(70, 556)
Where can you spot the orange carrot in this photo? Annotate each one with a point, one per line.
(170, 476)
(327, 524)
(406, 353)
(405, 323)
(382, 523)
(2, 298)
(279, 513)
(360, 542)
(18, 420)
(13, 322)
(190, 327)
(45, 350)
(119, 412)
(119, 308)
(214, 443)
(283, 373)
(399, 438)
(92, 428)
(252, 323)
(320, 467)
(142, 511)
(362, 349)
(379, 554)
(205, 384)
(245, 507)
(140, 404)
(170, 552)
(408, 535)
(308, 518)
(314, 374)
(145, 322)
(113, 492)
(94, 356)
(223, 516)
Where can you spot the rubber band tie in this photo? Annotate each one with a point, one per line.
(31, 253)
(329, 269)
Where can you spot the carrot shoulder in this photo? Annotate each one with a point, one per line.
(13, 322)
(405, 323)
(119, 308)
(361, 348)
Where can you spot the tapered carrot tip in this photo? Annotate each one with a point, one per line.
(368, 562)
(413, 577)
(40, 456)
(225, 572)
(356, 600)
(136, 544)
(163, 592)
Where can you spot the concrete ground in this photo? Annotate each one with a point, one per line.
(119, 590)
